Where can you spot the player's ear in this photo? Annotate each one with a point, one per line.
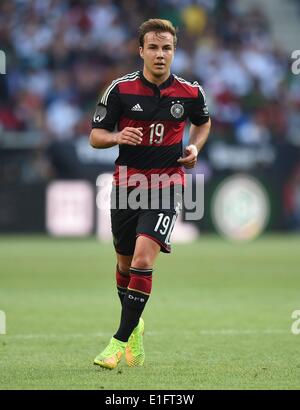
(142, 52)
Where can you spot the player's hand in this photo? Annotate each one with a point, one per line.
(130, 136)
(190, 158)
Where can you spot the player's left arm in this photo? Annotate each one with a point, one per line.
(199, 130)
(198, 137)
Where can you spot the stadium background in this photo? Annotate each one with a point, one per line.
(60, 56)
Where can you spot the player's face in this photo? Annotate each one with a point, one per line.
(158, 54)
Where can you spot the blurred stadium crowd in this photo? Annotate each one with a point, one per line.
(62, 53)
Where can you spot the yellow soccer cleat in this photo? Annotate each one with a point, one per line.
(134, 352)
(111, 355)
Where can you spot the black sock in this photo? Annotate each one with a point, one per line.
(133, 306)
(134, 302)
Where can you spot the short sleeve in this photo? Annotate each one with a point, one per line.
(199, 112)
(108, 109)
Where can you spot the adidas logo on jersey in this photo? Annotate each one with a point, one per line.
(137, 107)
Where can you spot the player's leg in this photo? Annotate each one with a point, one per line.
(153, 229)
(153, 235)
(124, 232)
(139, 287)
(123, 274)
(123, 223)
(112, 354)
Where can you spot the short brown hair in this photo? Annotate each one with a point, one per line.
(159, 26)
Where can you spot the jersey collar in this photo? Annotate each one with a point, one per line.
(162, 86)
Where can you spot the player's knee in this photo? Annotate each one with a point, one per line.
(142, 262)
(124, 268)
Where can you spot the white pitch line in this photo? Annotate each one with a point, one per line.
(56, 336)
(204, 332)
(224, 332)
(242, 332)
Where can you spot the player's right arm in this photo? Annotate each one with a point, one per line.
(100, 138)
(106, 117)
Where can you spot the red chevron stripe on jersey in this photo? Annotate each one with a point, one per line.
(178, 89)
(136, 87)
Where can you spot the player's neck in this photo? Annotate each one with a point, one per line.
(154, 79)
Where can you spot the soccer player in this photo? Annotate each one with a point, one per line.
(149, 110)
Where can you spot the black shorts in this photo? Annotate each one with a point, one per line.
(156, 222)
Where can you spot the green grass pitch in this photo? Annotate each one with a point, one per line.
(219, 316)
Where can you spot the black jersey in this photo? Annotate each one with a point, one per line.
(162, 111)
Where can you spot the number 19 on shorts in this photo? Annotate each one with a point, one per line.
(165, 225)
